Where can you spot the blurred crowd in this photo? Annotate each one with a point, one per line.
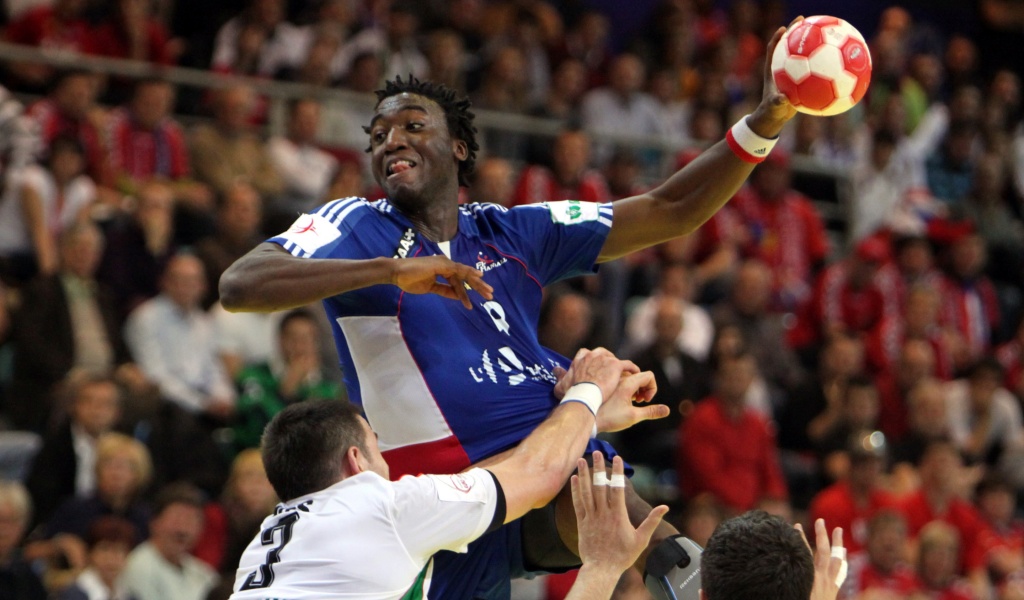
(864, 365)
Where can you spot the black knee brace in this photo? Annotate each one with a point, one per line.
(672, 571)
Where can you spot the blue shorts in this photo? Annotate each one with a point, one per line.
(485, 572)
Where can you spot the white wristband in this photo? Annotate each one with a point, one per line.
(588, 394)
(746, 144)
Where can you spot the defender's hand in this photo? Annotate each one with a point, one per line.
(420, 276)
(829, 561)
(607, 538)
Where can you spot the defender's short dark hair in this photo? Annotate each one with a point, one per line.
(456, 111)
(304, 445)
(756, 556)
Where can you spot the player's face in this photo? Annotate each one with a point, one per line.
(374, 459)
(411, 149)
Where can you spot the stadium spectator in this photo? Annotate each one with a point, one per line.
(587, 41)
(566, 322)
(299, 376)
(1011, 356)
(913, 266)
(937, 563)
(916, 362)
(237, 231)
(139, 246)
(858, 419)
(319, 67)
(882, 569)
(306, 170)
(172, 340)
(928, 421)
(680, 378)
(108, 543)
(66, 464)
(562, 102)
(999, 555)
(845, 299)
(132, 32)
(70, 110)
(18, 580)
(58, 26)
(816, 406)
(881, 181)
(984, 418)
(446, 59)
(67, 326)
(944, 484)
(696, 330)
(259, 41)
(146, 142)
(503, 87)
(19, 141)
(748, 307)
(851, 502)
(248, 498)
(785, 231)
(969, 300)
(569, 178)
(227, 150)
(393, 40)
(919, 320)
(44, 202)
(493, 181)
(622, 107)
(950, 171)
(991, 214)
(161, 567)
(728, 450)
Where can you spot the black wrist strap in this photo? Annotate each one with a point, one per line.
(666, 556)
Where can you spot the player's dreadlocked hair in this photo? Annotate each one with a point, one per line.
(456, 111)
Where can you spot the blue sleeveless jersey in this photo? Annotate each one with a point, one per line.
(443, 386)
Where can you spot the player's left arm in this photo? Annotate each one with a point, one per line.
(693, 194)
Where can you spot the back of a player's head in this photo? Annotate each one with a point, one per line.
(305, 444)
(756, 556)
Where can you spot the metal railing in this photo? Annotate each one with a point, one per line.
(279, 93)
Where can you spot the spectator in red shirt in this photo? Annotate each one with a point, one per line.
(969, 298)
(130, 32)
(1011, 356)
(939, 548)
(882, 568)
(147, 143)
(785, 230)
(919, 321)
(846, 299)
(913, 265)
(57, 27)
(726, 449)
(916, 362)
(71, 110)
(940, 497)
(851, 502)
(999, 553)
(570, 178)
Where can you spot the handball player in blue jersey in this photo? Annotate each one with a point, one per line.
(434, 305)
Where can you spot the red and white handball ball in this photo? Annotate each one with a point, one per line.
(822, 65)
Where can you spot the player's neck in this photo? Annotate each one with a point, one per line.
(436, 219)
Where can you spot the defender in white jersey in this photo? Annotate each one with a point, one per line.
(348, 532)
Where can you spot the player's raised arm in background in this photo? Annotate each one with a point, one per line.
(692, 195)
(268, 278)
(533, 473)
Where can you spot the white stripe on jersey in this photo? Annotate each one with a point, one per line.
(397, 402)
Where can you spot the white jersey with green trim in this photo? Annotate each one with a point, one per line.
(365, 537)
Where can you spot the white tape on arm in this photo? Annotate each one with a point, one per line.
(588, 394)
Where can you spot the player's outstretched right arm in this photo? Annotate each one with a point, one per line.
(268, 278)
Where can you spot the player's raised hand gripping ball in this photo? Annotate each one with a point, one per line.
(822, 65)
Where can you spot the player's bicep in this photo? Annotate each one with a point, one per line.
(635, 221)
(446, 512)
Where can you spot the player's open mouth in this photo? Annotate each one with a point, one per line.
(400, 165)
